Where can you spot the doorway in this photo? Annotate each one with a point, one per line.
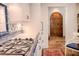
(56, 24)
(56, 42)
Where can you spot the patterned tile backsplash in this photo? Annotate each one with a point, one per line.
(15, 27)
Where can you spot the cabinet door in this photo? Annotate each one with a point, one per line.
(38, 50)
(71, 52)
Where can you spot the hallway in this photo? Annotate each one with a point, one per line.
(56, 47)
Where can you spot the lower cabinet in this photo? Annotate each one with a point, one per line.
(38, 51)
(71, 52)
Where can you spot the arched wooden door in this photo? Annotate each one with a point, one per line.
(56, 24)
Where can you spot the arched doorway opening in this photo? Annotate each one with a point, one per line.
(56, 24)
(56, 40)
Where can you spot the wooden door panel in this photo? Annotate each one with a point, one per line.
(56, 26)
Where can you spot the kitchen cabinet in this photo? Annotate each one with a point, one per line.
(71, 52)
(38, 51)
(19, 15)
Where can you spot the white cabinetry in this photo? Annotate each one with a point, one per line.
(38, 51)
(18, 12)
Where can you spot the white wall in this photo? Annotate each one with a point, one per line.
(71, 22)
(44, 15)
(33, 26)
(18, 12)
